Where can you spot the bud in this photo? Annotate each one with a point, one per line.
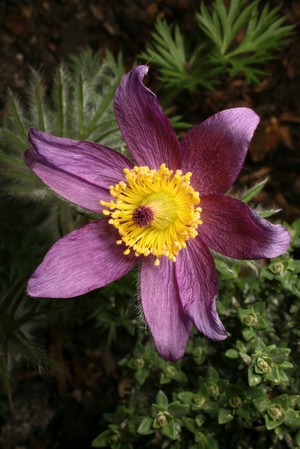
(277, 267)
(250, 319)
(114, 439)
(138, 363)
(276, 412)
(161, 419)
(200, 419)
(198, 351)
(263, 365)
(213, 390)
(235, 401)
(170, 371)
(199, 400)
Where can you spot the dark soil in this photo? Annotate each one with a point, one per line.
(62, 410)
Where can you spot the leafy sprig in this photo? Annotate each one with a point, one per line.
(262, 34)
(178, 65)
(231, 41)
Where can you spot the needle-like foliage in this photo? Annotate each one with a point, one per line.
(79, 107)
(243, 37)
(179, 65)
(231, 41)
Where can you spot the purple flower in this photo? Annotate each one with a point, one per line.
(152, 213)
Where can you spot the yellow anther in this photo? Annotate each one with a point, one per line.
(155, 211)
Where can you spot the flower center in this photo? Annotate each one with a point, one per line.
(154, 211)
(142, 216)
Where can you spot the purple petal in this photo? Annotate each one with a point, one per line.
(83, 260)
(197, 283)
(215, 150)
(169, 325)
(233, 229)
(80, 172)
(144, 126)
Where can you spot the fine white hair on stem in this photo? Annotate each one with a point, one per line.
(138, 303)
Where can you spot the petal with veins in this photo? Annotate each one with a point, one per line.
(83, 260)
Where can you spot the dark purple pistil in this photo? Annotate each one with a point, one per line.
(142, 216)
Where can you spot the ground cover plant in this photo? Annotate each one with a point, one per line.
(93, 371)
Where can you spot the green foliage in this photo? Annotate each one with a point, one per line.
(253, 191)
(262, 33)
(19, 316)
(238, 393)
(79, 107)
(112, 312)
(168, 51)
(231, 41)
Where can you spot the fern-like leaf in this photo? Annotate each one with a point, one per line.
(262, 34)
(176, 64)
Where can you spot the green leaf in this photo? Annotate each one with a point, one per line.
(170, 430)
(292, 419)
(141, 375)
(102, 439)
(38, 100)
(60, 99)
(178, 410)
(162, 400)
(280, 355)
(146, 426)
(253, 191)
(186, 397)
(253, 378)
(189, 423)
(205, 441)
(248, 334)
(107, 100)
(271, 424)
(232, 354)
(18, 117)
(224, 416)
(267, 212)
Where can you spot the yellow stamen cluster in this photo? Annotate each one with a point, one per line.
(154, 211)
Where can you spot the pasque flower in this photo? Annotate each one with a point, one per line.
(163, 212)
